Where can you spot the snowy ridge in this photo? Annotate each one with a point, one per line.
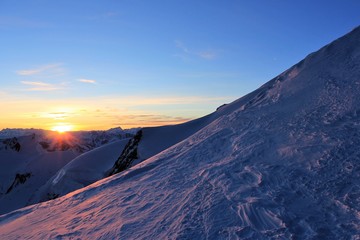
(17, 132)
(279, 163)
(80, 172)
(79, 141)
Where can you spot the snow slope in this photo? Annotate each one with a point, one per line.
(279, 163)
(156, 139)
(81, 171)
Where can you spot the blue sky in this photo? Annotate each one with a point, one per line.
(100, 64)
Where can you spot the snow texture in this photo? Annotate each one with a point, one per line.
(279, 163)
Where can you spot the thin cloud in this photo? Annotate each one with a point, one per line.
(111, 14)
(187, 53)
(181, 45)
(208, 55)
(40, 86)
(44, 70)
(149, 120)
(157, 101)
(28, 72)
(56, 115)
(83, 80)
(210, 75)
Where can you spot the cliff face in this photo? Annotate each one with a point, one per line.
(19, 179)
(128, 155)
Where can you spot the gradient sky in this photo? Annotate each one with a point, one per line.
(102, 64)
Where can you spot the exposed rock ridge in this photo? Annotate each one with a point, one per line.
(128, 155)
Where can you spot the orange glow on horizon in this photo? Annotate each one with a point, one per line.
(101, 113)
(62, 128)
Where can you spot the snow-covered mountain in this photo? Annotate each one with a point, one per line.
(30, 157)
(280, 163)
(80, 172)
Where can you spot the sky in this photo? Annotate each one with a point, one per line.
(86, 65)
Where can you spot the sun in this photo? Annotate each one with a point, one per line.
(62, 128)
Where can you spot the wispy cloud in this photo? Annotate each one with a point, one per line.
(49, 70)
(57, 115)
(209, 55)
(181, 45)
(210, 75)
(83, 80)
(111, 14)
(187, 53)
(41, 86)
(144, 120)
(132, 101)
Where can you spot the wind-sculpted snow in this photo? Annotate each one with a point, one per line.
(279, 163)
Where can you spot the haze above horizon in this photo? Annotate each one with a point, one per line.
(89, 65)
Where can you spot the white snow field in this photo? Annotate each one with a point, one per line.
(282, 162)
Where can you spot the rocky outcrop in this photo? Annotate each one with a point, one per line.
(51, 196)
(12, 143)
(128, 155)
(19, 179)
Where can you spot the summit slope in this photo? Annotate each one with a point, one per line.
(279, 163)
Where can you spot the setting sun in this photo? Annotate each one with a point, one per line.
(62, 128)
